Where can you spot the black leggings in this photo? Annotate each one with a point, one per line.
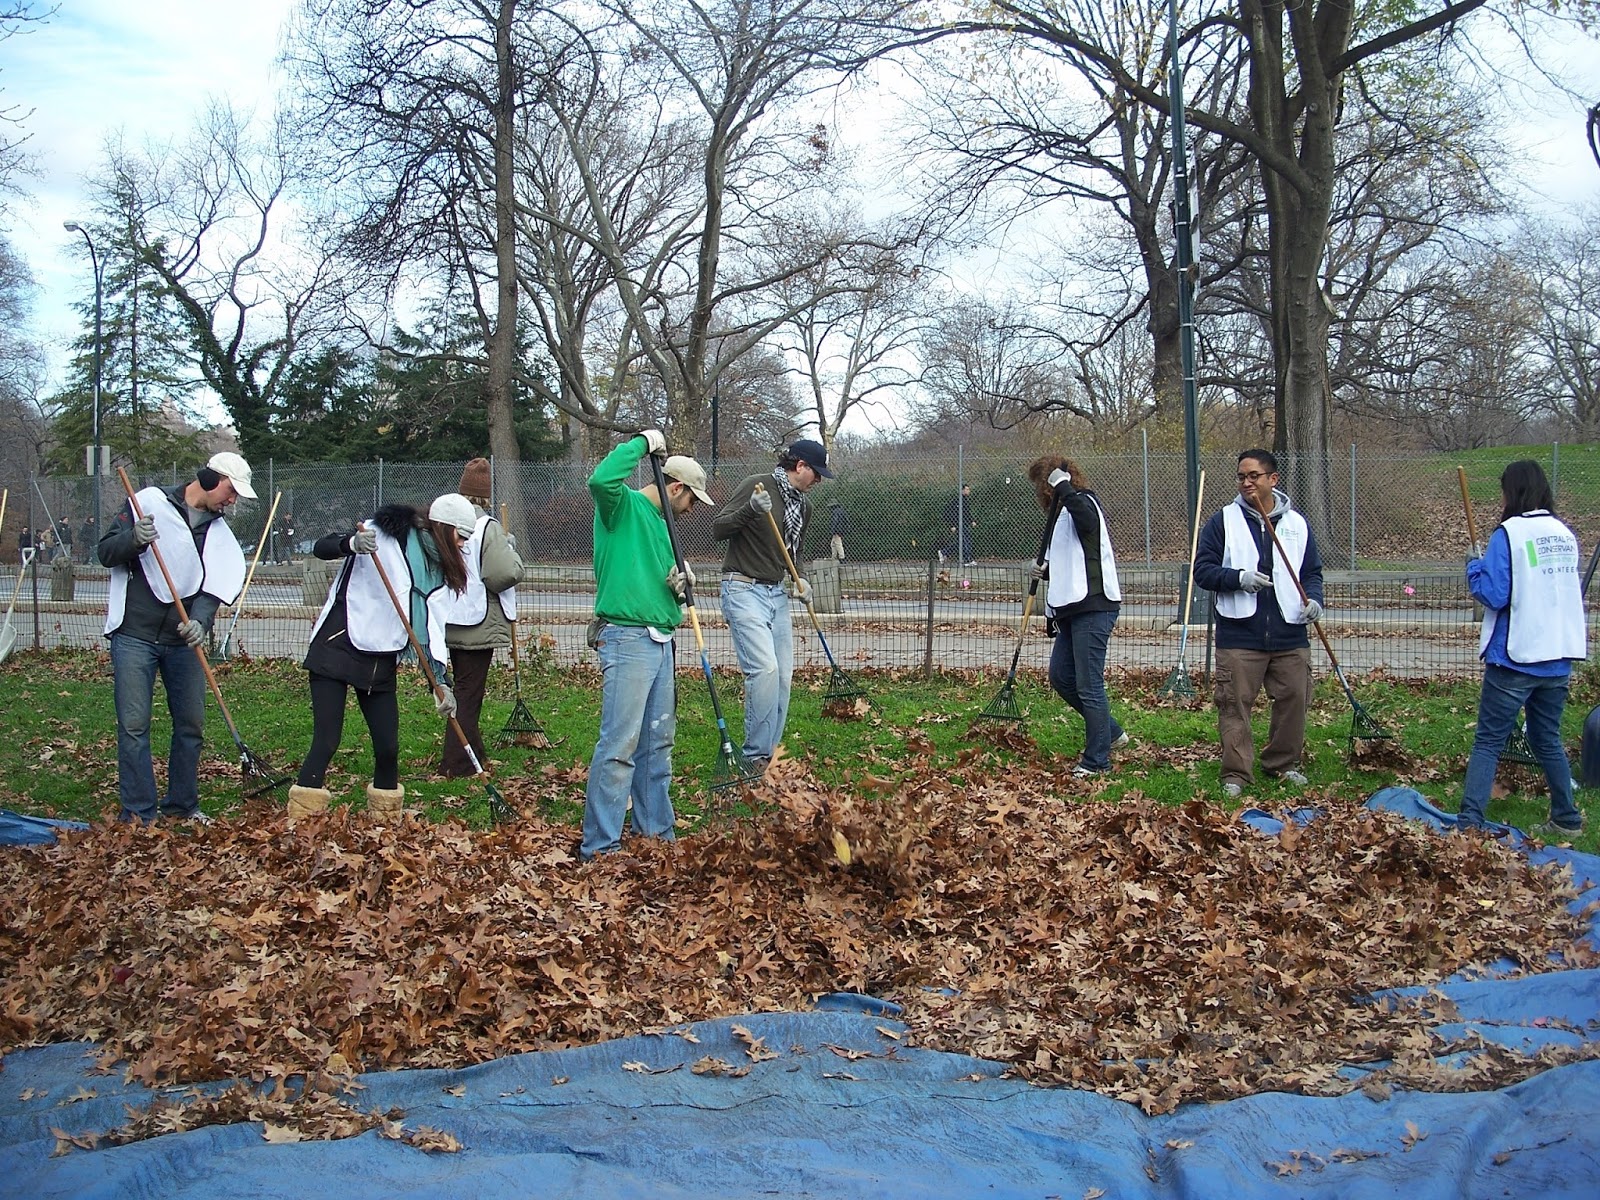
(382, 713)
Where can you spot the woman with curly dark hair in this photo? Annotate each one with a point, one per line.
(359, 637)
(1082, 599)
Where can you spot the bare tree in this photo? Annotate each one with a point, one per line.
(206, 217)
(1565, 261)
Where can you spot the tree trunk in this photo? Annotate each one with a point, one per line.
(500, 402)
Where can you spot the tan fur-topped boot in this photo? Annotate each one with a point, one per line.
(384, 802)
(303, 801)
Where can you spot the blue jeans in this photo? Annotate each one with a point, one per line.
(633, 758)
(134, 664)
(763, 638)
(1505, 692)
(1078, 674)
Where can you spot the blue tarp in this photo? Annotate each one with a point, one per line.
(845, 1111)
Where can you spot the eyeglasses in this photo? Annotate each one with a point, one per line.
(1252, 476)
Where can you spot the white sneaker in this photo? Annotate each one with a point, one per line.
(1231, 790)
(1122, 740)
(1082, 772)
(1293, 778)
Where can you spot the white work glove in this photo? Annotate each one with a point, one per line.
(364, 540)
(511, 542)
(144, 531)
(680, 582)
(1313, 612)
(1040, 571)
(1253, 581)
(802, 591)
(761, 501)
(654, 440)
(192, 632)
(444, 700)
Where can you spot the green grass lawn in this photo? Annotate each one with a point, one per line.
(59, 755)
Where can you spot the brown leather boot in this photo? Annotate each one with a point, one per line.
(303, 801)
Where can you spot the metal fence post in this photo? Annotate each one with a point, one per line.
(1555, 470)
(380, 484)
(1144, 445)
(1352, 506)
(927, 650)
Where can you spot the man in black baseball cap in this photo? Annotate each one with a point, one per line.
(753, 600)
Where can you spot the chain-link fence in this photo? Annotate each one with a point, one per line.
(931, 578)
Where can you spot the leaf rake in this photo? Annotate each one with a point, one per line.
(499, 810)
(1178, 685)
(1363, 725)
(521, 724)
(1004, 706)
(840, 686)
(225, 650)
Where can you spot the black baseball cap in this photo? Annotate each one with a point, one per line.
(812, 454)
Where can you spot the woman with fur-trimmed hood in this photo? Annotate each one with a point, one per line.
(359, 637)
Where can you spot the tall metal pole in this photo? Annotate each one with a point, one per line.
(94, 470)
(1182, 217)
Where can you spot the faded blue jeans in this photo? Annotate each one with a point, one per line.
(134, 664)
(1505, 692)
(763, 638)
(1078, 675)
(633, 758)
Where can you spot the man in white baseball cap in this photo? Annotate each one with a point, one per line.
(233, 467)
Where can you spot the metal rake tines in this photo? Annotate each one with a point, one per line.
(842, 687)
(1004, 705)
(1364, 727)
(1178, 685)
(499, 811)
(259, 775)
(1518, 749)
(520, 723)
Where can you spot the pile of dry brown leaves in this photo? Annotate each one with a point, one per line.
(1151, 953)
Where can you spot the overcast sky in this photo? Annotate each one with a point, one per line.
(147, 67)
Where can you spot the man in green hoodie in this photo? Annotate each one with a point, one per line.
(638, 591)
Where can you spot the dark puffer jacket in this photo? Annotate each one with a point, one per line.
(1265, 629)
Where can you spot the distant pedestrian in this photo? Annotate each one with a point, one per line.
(958, 515)
(284, 536)
(838, 526)
(1533, 631)
(24, 543)
(88, 538)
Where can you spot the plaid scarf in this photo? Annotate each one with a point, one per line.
(794, 517)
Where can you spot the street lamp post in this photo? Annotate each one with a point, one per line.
(94, 470)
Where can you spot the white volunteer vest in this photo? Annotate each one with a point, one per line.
(1069, 574)
(1546, 620)
(1241, 553)
(469, 607)
(220, 573)
(372, 623)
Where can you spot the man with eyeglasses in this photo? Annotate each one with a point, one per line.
(1261, 622)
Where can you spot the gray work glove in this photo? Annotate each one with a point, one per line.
(511, 542)
(1253, 581)
(144, 531)
(1312, 613)
(192, 632)
(802, 591)
(444, 700)
(655, 440)
(680, 582)
(364, 540)
(761, 501)
(1040, 571)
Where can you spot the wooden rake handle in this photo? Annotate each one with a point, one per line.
(1466, 504)
(1283, 561)
(1194, 547)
